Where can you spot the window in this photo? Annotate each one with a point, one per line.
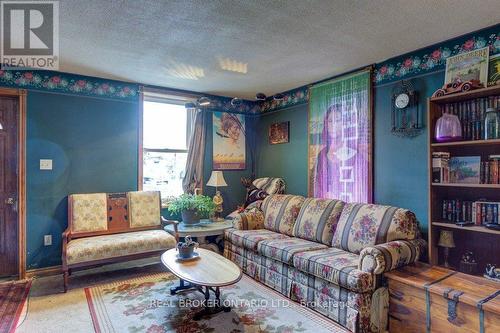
(165, 135)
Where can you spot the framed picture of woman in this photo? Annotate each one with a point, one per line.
(228, 141)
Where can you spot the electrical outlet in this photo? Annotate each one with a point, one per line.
(45, 164)
(47, 240)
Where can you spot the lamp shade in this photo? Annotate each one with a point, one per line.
(217, 179)
(446, 239)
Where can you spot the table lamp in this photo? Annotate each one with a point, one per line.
(217, 180)
(446, 242)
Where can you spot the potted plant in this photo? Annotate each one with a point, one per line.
(186, 248)
(192, 207)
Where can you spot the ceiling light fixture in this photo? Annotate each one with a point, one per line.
(278, 97)
(236, 101)
(260, 96)
(203, 101)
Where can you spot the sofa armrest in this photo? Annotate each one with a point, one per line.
(165, 222)
(66, 237)
(249, 220)
(388, 256)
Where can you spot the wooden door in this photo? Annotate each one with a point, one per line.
(9, 192)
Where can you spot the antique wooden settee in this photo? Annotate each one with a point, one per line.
(105, 228)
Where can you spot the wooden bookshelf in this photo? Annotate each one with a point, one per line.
(483, 242)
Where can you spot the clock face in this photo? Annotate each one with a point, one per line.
(402, 101)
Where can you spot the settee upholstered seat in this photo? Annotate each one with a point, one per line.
(336, 266)
(284, 249)
(86, 249)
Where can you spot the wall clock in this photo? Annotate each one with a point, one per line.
(405, 119)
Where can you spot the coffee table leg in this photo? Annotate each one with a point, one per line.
(183, 285)
(211, 310)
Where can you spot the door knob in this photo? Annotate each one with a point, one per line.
(10, 201)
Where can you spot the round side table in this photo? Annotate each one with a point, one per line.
(202, 230)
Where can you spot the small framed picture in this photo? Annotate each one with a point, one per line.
(279, 133)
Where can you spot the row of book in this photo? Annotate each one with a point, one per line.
(465, 169)
(471, 114)
(477, 212)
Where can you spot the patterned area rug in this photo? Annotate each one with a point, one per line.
(145, 305)
(12, 298)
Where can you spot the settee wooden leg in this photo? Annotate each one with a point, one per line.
(65, 278)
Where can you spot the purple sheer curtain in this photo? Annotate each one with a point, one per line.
(340, 139)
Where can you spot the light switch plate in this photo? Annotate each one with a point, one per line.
(47, 240)
(45, 164)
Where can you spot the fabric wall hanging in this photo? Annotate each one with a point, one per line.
(340, 138)
(228, 141)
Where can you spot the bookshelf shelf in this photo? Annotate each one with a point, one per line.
(497, 186)
(483, 242)
(467, 143)
(472, 228)
(458, 97)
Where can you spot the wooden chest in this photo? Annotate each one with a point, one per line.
(427, 298)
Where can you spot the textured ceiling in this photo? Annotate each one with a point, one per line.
(238, 48)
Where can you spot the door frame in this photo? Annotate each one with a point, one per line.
(21, 180)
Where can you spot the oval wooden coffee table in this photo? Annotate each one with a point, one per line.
(207, 273)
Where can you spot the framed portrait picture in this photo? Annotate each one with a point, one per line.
(279, 133)
(494, 70)
(228, 141)
(472, 65)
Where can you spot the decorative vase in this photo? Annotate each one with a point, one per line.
(190, 217)
(448, 128)
(491, 124)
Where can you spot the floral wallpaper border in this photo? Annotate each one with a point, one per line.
(74, 84)
(69, 84)
(427, 60)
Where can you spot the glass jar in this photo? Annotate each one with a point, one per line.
(448, 128)
(491, 124)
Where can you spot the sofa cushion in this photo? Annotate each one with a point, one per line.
(336, 266)
(270, 185)
(89, 212)
(284, 249)
(144, 208)
(109, 246)
(318, 219)
(363, 225)
(280, 212)
(249, 239)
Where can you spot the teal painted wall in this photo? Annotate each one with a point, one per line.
(93, 145)
(287, 160)
(400, 164)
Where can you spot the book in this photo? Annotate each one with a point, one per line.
(465, 169)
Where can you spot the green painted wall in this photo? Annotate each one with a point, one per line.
(287, 160)
(93, 145)
(400, 164)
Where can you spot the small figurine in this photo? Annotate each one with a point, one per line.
(218, 201)
(492, 272)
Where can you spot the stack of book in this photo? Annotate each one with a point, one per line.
(477, 212)
(471, 114)
(440, 170)
(490, 170)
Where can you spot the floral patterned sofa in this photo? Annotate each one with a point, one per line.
(110, 227)
(327, 254)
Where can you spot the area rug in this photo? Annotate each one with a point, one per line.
(12, 298)
(145, 305)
